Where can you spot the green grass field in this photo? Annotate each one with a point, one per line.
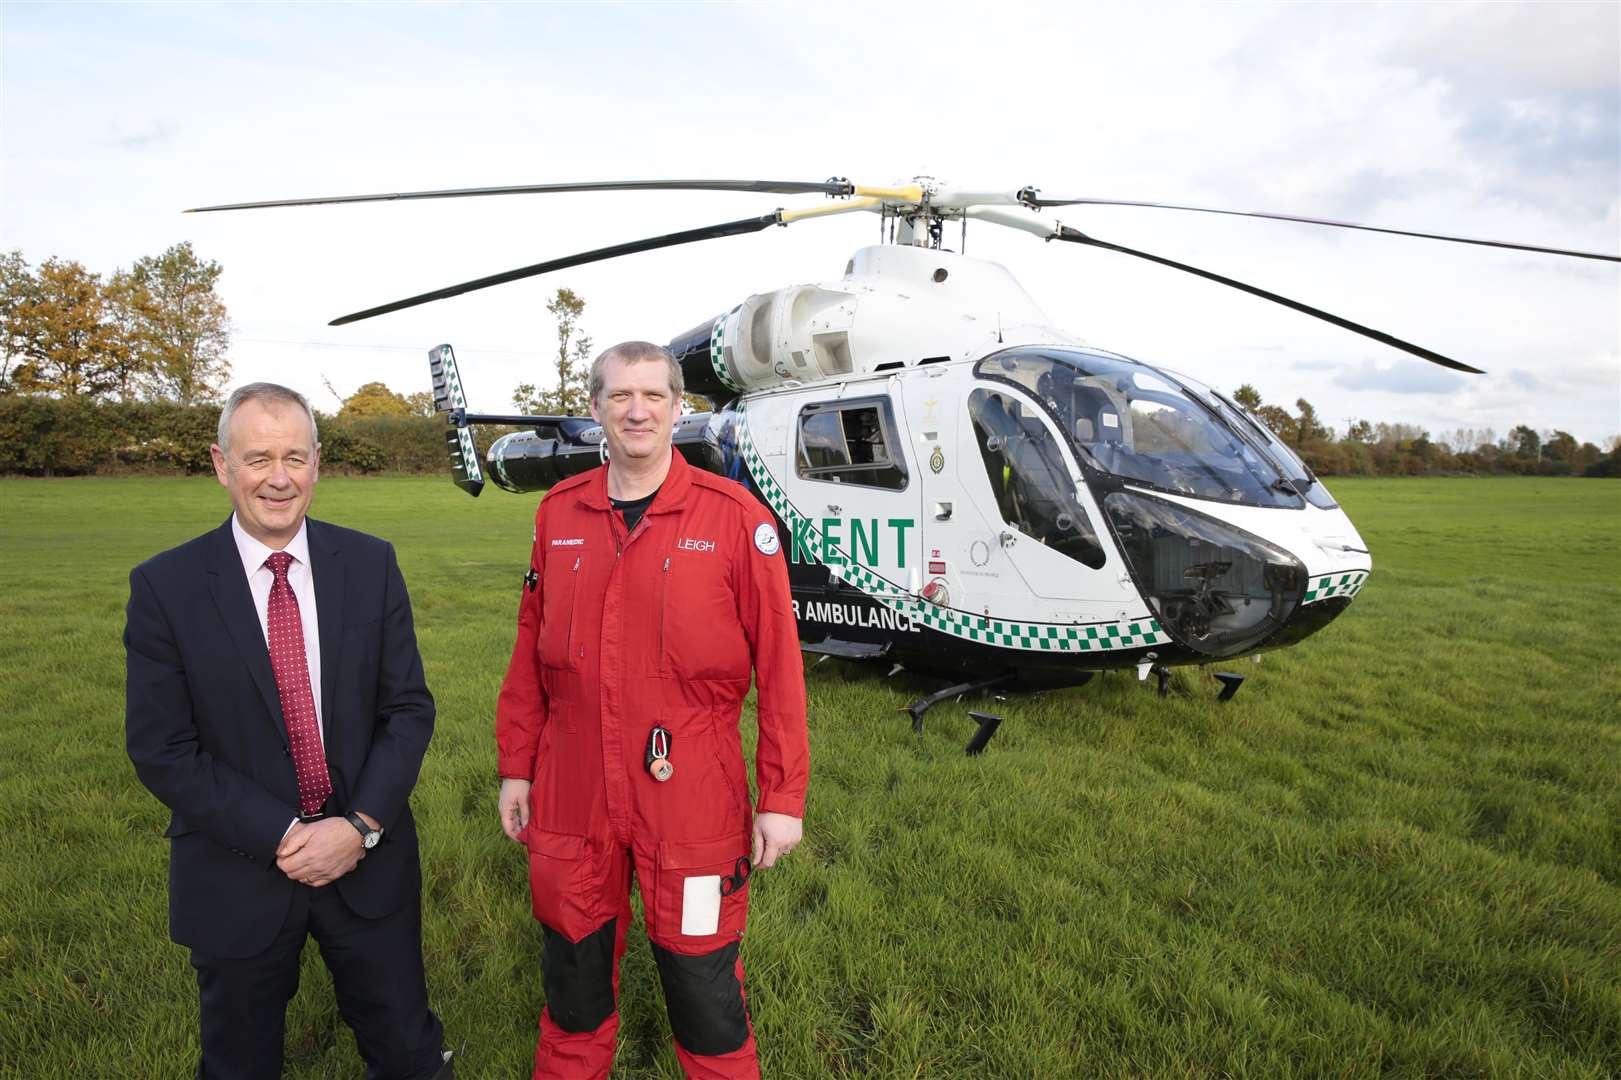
(1396, 852)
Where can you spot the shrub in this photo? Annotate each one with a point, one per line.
(46, 436)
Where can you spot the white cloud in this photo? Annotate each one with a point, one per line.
(1398, 378)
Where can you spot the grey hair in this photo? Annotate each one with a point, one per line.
(636, 352)
(266, 392)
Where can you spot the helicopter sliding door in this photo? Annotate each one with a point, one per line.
(857, 536)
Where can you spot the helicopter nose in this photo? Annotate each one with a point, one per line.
(1327, 595)
(1214, 588)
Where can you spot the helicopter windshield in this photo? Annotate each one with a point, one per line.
(1296, 470)
(1126, 419)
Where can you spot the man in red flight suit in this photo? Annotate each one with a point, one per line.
(653, 589)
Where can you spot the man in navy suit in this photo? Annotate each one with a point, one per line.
(276, 705)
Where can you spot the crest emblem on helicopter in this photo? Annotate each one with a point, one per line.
(1136, 517)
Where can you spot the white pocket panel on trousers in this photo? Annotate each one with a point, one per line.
(700, 906)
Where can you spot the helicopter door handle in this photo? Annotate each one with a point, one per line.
(834, 510)
(1008, 539)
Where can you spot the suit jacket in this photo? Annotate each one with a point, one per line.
(204, 727)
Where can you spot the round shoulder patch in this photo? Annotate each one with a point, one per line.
(765, 538)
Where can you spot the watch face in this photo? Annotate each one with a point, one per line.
(371, 839)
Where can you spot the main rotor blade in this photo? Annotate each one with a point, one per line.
(708, 232)
(1033, 202)
(690, 236)
(1078, 237)
(767, 187)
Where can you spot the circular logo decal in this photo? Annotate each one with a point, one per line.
(765, 538)
(937, 460)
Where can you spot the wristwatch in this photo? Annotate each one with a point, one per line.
(368, 835)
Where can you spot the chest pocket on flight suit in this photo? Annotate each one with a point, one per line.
(697, 618)
(558, 648)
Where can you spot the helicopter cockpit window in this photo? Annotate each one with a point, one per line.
(850, 442)
(1032, 487)
(1125, 419)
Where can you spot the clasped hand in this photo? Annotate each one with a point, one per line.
(775, 835)
(320, 852)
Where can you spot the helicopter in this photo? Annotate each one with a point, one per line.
(962, 489)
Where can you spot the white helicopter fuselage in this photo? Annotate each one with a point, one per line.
(924, 544)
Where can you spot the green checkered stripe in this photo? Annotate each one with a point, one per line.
(470, 455)
(1100, 637)
(1047, 637)
(1345, 584)
(453, 385)
(458, 400)
(717, 354)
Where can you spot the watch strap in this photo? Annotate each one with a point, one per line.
(359, 823)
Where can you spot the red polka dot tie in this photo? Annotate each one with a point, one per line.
(292, 670)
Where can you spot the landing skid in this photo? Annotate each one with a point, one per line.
(845, 650)
(988, 723)
(924, 704)
(1230, 680)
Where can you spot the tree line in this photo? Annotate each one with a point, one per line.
(127, 372)
(1385, 449)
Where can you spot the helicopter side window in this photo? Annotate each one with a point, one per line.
(1033, 489)
(850, 442)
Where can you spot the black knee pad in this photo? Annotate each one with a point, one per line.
(704, 999)
(579, 978)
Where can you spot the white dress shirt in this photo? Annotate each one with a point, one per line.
(302, 580)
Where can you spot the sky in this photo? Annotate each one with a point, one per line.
(1498, 120)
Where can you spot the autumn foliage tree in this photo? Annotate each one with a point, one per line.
(63, 331)
(181, 325)
(130, 364)
(375, 399)
(157, 330)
